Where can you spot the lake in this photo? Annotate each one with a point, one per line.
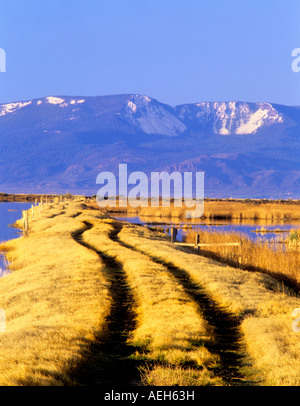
(254, 229)
(9, 213)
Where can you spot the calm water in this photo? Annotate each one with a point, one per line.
(252, 229)
(9, 213)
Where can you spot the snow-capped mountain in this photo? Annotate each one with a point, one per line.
(149, 116)
(61, 143)
(232, 117)
(152, 117)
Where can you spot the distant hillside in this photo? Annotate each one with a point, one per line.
(60, 144)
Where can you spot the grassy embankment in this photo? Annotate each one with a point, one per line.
(59, 298)
(63, 292)
(55, 301)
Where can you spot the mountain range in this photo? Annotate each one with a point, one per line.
(59, 144)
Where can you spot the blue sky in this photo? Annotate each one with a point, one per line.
(175, 51)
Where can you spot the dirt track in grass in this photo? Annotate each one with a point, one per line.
(114, 363)
(108, 361)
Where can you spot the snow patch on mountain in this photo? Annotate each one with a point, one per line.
(77, 101)
(220, 124)
(62, 102)
(132, 106)
(227, 118)
(152, 117)
(54, 100)
(12, 107)
(265, 115)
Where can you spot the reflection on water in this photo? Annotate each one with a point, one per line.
(9, 214)
(254, 229)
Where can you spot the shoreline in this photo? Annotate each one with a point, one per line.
(23, 197)
(31, 197)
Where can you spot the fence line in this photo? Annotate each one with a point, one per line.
(44, 203)
(197, 245)
(223, 244)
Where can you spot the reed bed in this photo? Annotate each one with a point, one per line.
(278, 260)
(256, 210)
(222, 209)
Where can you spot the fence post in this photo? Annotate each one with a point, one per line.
(32, 212)
(240, 253)
(25, 222)
(173, 234)
(197, 248)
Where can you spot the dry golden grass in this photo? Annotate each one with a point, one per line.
(170, 375)
(283, 264)
(58, 298)
(55, 301)
(275, 347)
(223, 209)
(258, 210)
(264, 306)
(170, 332)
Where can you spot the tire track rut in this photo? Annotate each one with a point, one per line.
(108, 360)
